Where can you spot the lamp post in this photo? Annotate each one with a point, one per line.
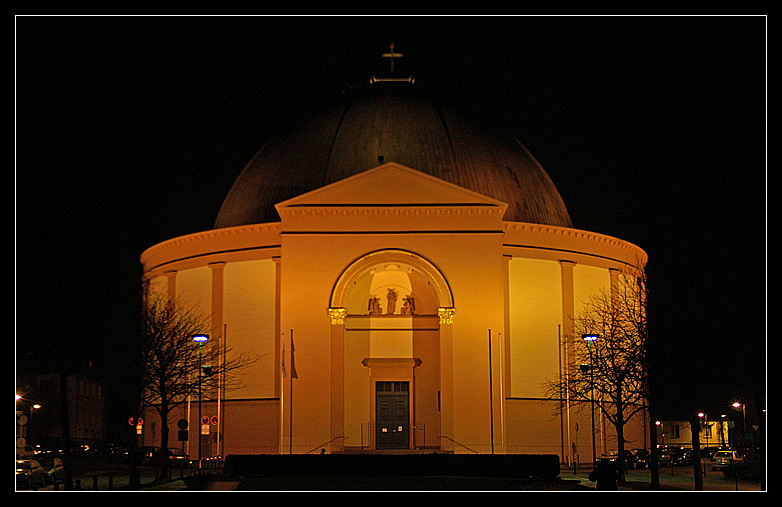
(589, 338)
(200, 339)
(738, 405)
(705, 423)
(743, 413)
(659, 424)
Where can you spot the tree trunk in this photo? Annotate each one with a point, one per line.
(67, 457)
(695, 428)
(655, 464)
(620, 441)
(164, 461)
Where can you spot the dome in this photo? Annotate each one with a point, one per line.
(371, 128)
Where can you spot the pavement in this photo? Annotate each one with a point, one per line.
(671, 480)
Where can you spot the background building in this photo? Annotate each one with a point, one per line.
(408, 277)
(40, 412)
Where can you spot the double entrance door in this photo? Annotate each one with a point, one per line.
(392, 410)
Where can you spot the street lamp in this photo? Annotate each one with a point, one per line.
(738, 405)
(589, 338)
(200, 339)
(659, 424)
(705, 425)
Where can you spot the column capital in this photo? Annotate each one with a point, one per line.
(446, 315)
(337, 316)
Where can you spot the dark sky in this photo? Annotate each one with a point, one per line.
(130, 131)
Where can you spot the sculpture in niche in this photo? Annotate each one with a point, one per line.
(408, 308)
(391, 297)
(374, 306)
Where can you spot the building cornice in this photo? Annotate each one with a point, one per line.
(518, 235)
(230, 239)
(566, 243)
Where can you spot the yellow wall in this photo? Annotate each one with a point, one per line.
(588, 281)
(250, 318)
(357, 388)
(194, 290)
(535, 298)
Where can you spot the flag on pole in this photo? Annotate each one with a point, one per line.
(293, 364)
(284, 373)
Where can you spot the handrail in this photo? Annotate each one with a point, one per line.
(323, 445)
(457, 443)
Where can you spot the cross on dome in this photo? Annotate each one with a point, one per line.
(392, 54)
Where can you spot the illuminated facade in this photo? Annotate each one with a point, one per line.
(418, 272)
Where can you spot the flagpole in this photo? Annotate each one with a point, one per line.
(283, 401)
(290, 404)
(491, 399)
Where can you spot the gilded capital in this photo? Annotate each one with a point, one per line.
(446, 315)
(337, 316)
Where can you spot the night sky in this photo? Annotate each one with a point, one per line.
(131, 130)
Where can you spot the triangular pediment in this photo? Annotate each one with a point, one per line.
(389, 185)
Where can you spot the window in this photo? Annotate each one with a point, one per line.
(388, 387)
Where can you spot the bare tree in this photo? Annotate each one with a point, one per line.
(173, 364)
(611, 373)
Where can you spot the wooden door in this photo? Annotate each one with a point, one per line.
(392, 415)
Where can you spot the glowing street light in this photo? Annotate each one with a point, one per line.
(589, 338)
(737, 405)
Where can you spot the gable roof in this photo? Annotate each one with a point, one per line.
(390, 184)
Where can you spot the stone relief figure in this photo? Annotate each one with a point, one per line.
(408, 308)
(374, 306)
(391, 297)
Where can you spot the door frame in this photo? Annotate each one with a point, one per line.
(401, 421)
(392, 370)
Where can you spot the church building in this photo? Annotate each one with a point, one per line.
(408, 278)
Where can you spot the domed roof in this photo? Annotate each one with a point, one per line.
(369, 129)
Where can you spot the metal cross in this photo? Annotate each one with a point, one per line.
(392, 55)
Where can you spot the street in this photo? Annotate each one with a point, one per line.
(115, 478)
(671, 479)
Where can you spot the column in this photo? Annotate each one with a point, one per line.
(337, 416)
(446, 377)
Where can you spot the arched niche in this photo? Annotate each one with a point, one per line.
(420, 287)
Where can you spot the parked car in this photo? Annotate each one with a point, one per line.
(151, 457)
(642, 458)
(29, 473)
(724, 459)
(27, 451)
(629, 461)
(669, 456)
(57, 472)
(684, 457)
(178, 459)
